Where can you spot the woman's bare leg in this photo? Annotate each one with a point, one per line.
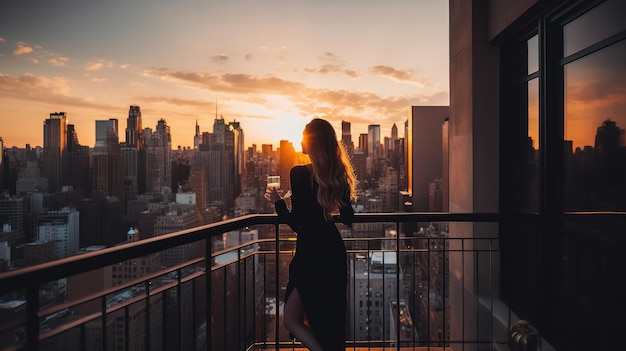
(294, 322)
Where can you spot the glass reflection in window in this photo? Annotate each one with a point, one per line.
(595, 118)
(598, 24)
(533, 54)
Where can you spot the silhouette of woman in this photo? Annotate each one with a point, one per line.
(315, 307)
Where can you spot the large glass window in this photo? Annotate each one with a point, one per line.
(595, 112)
(605, 20)
(595, 118)
(563, 122)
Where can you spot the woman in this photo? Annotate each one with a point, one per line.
(315, 301)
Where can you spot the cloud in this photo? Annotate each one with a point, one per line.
(390, 72)
(22, 49)
(98, 80)
(36, 53)
(2, 40)
(326, 69)
(220, 58)
(329, 56)
(125, 65)
(94, 66)
(312, 102)
(58, 61)
(53, 91)
(99, 64)
(248, 57)
(206, 105)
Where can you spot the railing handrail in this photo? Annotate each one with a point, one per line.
(29, 276)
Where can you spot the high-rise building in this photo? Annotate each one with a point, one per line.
(158, 169)
(179, 217)
(425, 151)
(76, 163)
(1, 164)
(346, 137)
(62, 227)
(239, 160)
(363, 143)
(29, 179)
(221, 153)
(373, 140)
(13, 210)
(373, 288)
(287, 161)
(134, 129)
(131, 152)
(54, 144)
(107, 160)
(197, 138)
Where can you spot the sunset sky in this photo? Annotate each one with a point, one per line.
(272, 64)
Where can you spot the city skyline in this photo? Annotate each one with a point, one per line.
(270, 66)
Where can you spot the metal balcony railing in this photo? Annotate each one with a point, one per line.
(428, 289)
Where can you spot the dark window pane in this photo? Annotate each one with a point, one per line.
(533, 54)
(598, 24)
(595, 118)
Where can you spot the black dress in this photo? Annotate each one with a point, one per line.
(319, 268)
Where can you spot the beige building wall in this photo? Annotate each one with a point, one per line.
(474, 156)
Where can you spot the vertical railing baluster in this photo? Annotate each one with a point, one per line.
(369, 301)
(83, 337)
(194, 327)
(443, 254)
(179, 304)
(208, 260)
(277, 286)
(475, 292)
(462, 284)
(239, 292)
(126, 328)
(32, 317)
(147, 320)
(398, 326)
(264, 326)
(430, 342)
(224, 307)
(254, 268)
(103, 306)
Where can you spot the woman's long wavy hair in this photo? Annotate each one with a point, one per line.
(331, 166)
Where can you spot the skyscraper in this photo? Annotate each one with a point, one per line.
(107, 159)
(54, 144)
(1, 164)
(346, 137)
(62, 228)
(76, 165)
(157, 161)
(133, 128)
(373, 140)
(425, 151)
(130, 153)
(238, 156)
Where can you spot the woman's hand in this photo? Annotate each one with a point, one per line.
(273, 195)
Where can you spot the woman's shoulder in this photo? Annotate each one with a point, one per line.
(301, 169)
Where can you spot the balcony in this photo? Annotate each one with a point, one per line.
(436, 290)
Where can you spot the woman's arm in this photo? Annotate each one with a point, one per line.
(346, 212)
(289, 216)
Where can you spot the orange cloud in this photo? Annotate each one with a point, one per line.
(58, 61)
(220, 58)
(53, 91)
(312, 102)
(94, 66)
(22, 49)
